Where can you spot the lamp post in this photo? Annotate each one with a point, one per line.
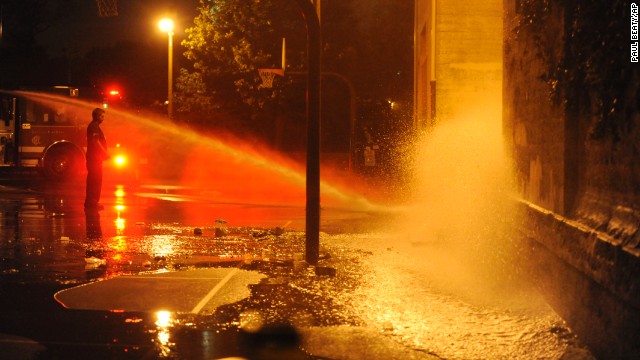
(314, 51)
(166, 25)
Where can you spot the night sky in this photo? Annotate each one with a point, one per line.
(137, 21)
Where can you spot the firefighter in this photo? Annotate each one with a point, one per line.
(97, 152)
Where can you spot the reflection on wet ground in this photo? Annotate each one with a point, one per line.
(49, 243)
(407, 293)
(372, 295)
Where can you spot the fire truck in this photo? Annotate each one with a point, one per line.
(41, 135)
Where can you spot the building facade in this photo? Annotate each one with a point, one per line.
(457, 58)
(567, 94)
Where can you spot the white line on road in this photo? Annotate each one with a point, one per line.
(213, 291)
(136, 277)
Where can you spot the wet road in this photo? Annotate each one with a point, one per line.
(374, 294)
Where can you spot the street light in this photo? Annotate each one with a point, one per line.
(166, 25)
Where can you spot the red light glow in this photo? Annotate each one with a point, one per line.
(224, 168)
(120, 160)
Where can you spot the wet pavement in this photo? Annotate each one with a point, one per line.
(164, 271)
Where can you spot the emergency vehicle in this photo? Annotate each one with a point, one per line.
(42, 136)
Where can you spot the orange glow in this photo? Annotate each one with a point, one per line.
(120, 224)
(228, 168)
(119, 244)
(164, 323)
(120, 160)
(166, 25)
(163, 318)
(162, 245)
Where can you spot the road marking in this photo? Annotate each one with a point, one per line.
(213, 291)
(168, 277)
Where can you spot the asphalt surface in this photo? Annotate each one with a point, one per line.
(164, 272)
(144, 278)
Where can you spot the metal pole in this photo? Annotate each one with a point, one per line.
(170, 77)
(314, 44)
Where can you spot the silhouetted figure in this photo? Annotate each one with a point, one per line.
(92, 222)
(96, 153)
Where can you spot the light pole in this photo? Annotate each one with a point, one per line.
(166, 25)
(314, 51)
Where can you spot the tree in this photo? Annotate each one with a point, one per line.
(369, 43)
(229, 41)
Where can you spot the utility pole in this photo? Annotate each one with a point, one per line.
(314, 45)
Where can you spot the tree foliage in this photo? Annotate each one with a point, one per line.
(227, 44)
(368, 43)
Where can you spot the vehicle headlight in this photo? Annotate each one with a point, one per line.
(120, 160)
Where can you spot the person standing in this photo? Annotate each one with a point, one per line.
(96, 153)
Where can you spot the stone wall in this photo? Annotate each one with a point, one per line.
(570, 115)
(558, 251)
(572, 156)
(534, 127)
